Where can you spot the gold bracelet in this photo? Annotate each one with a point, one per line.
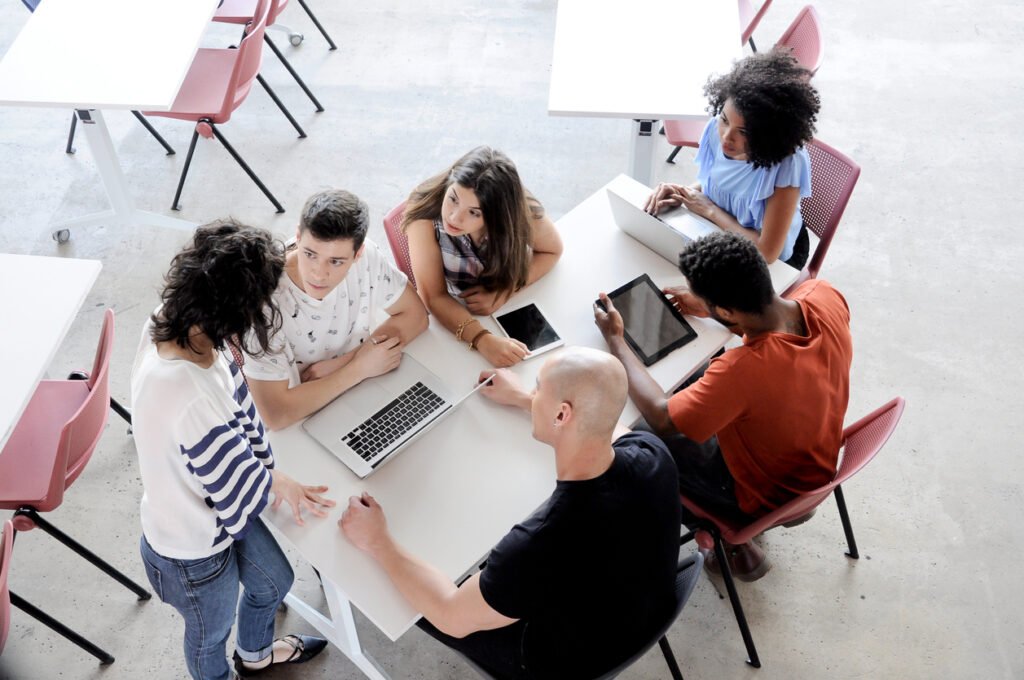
(462, 327)
(482, 333)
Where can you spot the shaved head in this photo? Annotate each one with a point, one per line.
(593, 382)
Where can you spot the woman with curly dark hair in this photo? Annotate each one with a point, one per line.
(207, 467)
(752, 169)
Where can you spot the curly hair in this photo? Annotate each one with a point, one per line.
(728, 271)
(774, 95)
(222, 283)
(506, 206)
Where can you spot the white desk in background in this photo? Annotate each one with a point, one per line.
(105, 54)
(645, 60)
(39, 298)
(452, 494)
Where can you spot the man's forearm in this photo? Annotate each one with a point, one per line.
(645, 392)
(282, 409)
(427, 589)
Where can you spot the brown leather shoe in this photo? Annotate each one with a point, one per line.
(747, 562)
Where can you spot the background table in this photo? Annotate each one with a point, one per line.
(39, 298)
(645, 59)
(105, 54)
(452, 494)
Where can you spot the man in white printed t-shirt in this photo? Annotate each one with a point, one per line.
(334, 283)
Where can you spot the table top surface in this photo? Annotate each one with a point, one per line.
(646, 59)
(39, 298)
(104, 54)
(451, 495)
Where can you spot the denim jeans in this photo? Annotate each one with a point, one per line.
(205, 593)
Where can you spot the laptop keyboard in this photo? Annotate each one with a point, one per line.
(391, 423)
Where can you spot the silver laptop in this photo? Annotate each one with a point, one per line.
(667, 234)
(367, 425)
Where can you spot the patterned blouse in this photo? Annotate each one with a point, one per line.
(463, 260)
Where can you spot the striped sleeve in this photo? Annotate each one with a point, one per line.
(250, 420)
(223, 459)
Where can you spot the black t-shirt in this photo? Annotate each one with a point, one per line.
(592, 572)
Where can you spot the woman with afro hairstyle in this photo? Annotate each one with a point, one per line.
(752, 168)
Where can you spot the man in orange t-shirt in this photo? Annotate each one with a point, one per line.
(764, 421)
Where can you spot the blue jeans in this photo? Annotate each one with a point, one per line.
(205, 593)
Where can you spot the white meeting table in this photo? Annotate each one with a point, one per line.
(39, 298)
(452, 494)
(105, 54)
(644, 60)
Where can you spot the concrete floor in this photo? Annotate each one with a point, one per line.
(913, 94)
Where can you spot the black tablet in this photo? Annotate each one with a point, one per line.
(653, 326)
(528, 325)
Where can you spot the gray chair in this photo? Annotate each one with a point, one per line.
(686, 579)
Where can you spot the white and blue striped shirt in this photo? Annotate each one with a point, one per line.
(203, 453)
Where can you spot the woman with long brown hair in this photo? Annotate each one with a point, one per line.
(476, 236)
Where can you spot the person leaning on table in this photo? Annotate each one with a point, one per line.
(581, 584)
(752, 168)
(207, 468)
(764, 421)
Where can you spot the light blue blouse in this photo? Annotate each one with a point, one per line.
(741, 189)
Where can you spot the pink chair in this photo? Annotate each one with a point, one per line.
(9, 598)
(51, 445)
(750, 18)
(398, 242)
(293, 37)
(833, 178)
(803, 37)
(242, 12)
(217, 83)
(861, 442)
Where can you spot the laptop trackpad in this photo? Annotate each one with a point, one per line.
(359, 402)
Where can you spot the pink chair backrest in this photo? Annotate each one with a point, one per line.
(247, 66)
(861, 442)
(398, 242)
(804, 38)
(81, 434)
(750, 18)
(833, 177)
(6, 544)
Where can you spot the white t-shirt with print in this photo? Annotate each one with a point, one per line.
(315, 330)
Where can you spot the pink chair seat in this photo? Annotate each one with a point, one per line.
(684, 132)
(29, 457)
(203, 90)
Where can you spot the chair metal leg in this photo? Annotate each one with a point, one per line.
(58, 627)
(248, 170)
(672, 156)
(670, 659)
(184, 170)
(71, 133)
(280, 105)
(84, 552)
(734, 598)
(295, 75)
(152, 130)
(851, 542)
(753, 47)
(317, 24)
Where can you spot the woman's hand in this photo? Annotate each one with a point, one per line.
(501, 352)
(483, 302)
(298, 496)
(664, 197)
(697, 202)
(686, 302)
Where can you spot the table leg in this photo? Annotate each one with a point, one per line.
(641, 149)
(340, 628)
(122, 211)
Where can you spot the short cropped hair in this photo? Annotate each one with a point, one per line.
(334, 215)
(728, 271)
(222, 283)
(774, 95)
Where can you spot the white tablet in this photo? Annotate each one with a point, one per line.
(528, 325)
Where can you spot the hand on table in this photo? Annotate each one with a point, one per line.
(608, 320)
(505, 388)
(298, 496)
(322, 369)
(686, 302)
(501, 352)
(376, 356)
(482, 302)
(364, 523)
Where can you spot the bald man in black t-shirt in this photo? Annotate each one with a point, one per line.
(581, 584)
